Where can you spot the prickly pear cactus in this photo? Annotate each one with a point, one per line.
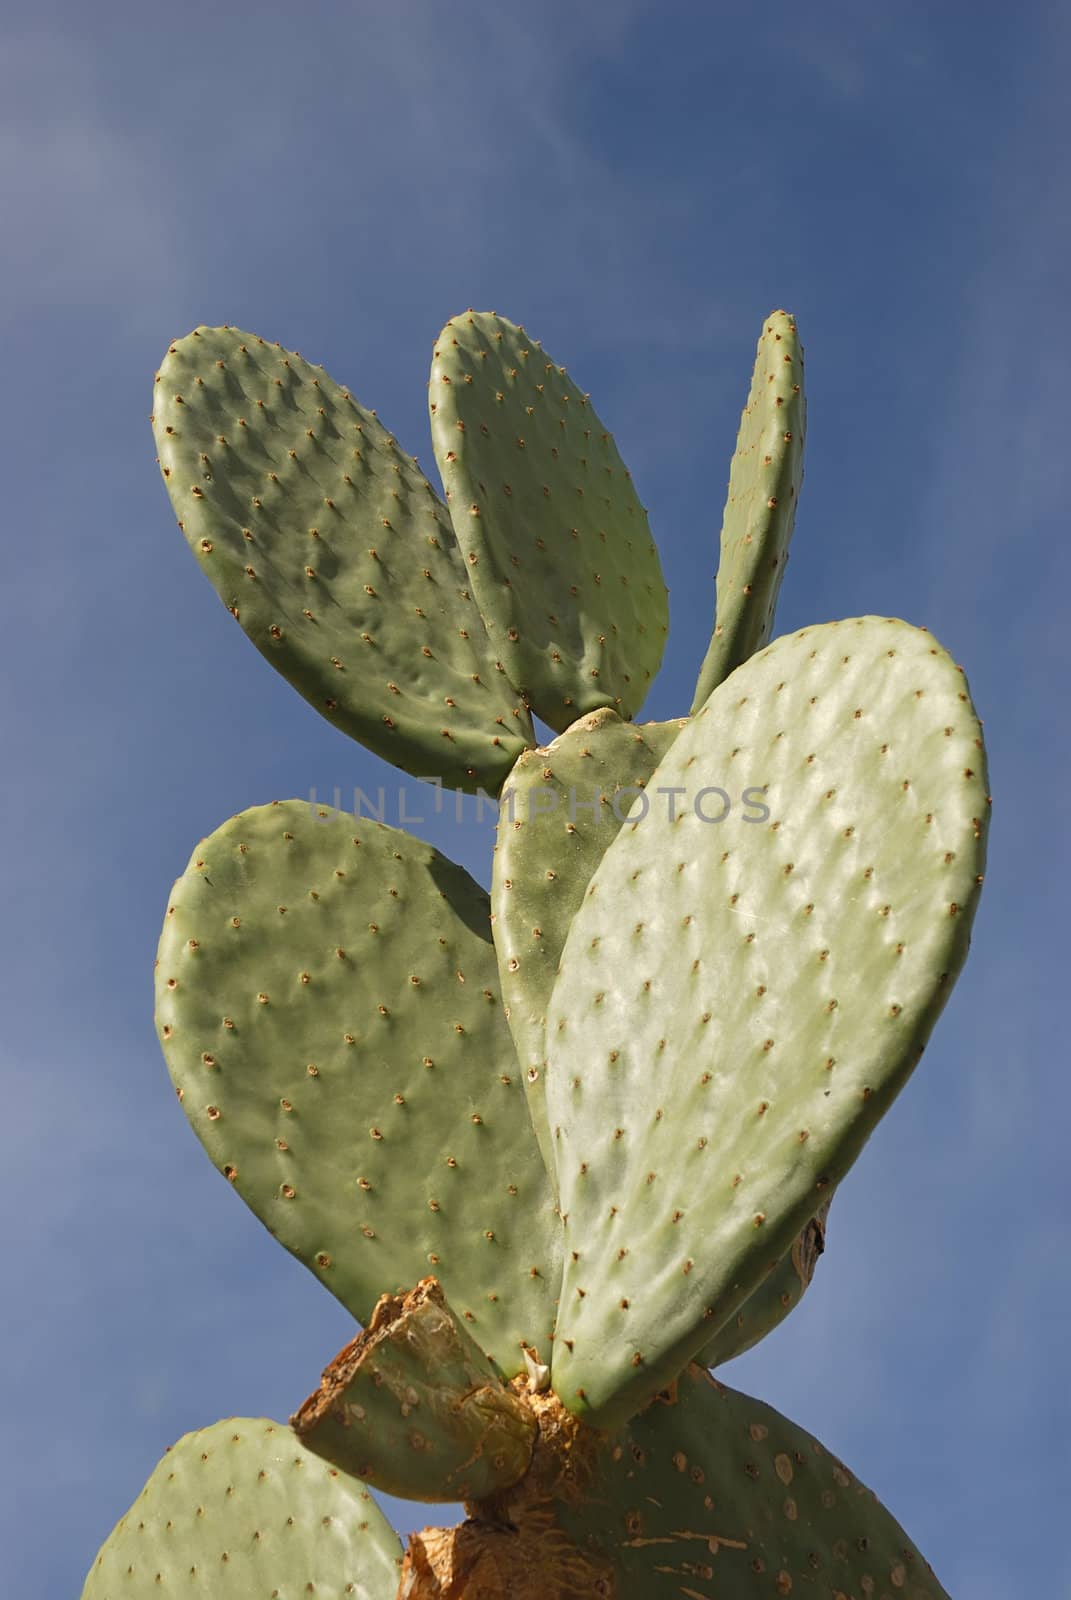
(563, 1148)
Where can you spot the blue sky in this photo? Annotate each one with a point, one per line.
(639, 184)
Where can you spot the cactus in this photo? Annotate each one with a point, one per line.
(328, 545)
(560, 808)
(559, 552)
(561, 1149)
(243, 1508)
(764, 485)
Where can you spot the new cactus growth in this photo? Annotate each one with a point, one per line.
(563, 1148)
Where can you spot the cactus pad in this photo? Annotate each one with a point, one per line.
(327, 1002)
(558, 548)
(779, 1293)
(328, 544)
(740, 1002)
(560, 811)
(764, 485)
(243, 1509)
(718, 1497)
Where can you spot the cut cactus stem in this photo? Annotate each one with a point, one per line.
(413, 1407)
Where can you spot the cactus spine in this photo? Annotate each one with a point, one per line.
(561, 1149)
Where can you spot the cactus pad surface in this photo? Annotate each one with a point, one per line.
(740, 1002)
(764, 485)
(327, 543)
(327, 1001)
(716, 1496)
(779, 1292)
(557, 544)
(559, 812)
(708, 1494)
(243, 1509)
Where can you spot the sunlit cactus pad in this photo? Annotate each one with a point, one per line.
(327, 543)
(327, 1001)
(555, 538)
(559, 813)
(760, 509)
(739, 1002)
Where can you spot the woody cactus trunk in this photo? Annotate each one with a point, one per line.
(562, 1149)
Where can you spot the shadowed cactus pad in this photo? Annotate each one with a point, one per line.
(327, 1000)
(327, 543)
(739, 1003)
(558, 548)
(243, 1509)
(778, 1293)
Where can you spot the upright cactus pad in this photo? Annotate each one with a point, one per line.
(764, 486)
(559, 813)
(243, 1509)
(739, 1002)
(328, 544)
(554, 1163)
(327, 1000)
(558, 548)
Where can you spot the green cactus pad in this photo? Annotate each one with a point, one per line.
(779, 1293)
(559, 552)
(764, 485)
(718, 1497)
(327, 1001)
(328, 544)
(559, 811)
(243, 1509)
(739, 1002)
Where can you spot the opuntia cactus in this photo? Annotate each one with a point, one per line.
(561, 1149)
